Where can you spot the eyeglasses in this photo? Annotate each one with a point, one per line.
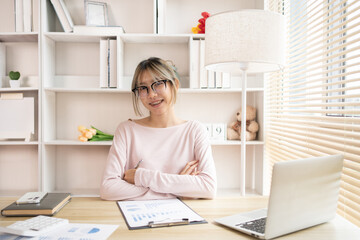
(157, 87)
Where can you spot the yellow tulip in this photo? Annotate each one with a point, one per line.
(87, 134)
(93, 134)
(93, 131)
(81, 128)
(82, 138)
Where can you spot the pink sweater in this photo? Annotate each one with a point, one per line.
(165, 152)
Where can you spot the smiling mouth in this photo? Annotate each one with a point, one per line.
(154, 104)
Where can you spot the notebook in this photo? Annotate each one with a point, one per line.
(50, 205)
(304, 193)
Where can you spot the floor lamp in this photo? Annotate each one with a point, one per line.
(247, 41)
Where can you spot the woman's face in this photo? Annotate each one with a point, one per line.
(158, 102)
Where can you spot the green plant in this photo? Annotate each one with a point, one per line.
(14, 75)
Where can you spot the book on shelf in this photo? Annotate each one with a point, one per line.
(50, 205)
(98, 30)
(202, 71)
(211, 78)
(19, 17)
(104, 60)
(195, 61)
(2, 63)
(160, 16)
(108, 63)
(35, 15)
(27, 15)
(23, 15)
(218, 80)
(200, 77)
(112, 63)
(63, 15)
(67, 15)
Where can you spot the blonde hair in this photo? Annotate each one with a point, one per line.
(159, 69)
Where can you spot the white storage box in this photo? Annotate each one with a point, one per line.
(17, 118)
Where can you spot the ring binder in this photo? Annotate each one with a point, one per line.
(154, 224)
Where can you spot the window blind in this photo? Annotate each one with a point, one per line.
(313, 104)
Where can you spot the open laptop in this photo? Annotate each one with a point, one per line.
(303, 193)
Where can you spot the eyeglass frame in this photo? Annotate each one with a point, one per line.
(136, 89)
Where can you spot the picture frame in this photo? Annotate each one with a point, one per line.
(96, 13)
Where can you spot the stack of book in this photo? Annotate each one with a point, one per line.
(108, 63)
(24, 15)
(50, 205)
(200, 77)
(63, 15)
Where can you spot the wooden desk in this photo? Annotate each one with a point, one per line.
(94, 210)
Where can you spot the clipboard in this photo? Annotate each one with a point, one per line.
(158, 213)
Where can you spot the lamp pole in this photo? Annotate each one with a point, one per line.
(243, 131)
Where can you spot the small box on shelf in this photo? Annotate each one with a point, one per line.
(18, 122)
(216, 131)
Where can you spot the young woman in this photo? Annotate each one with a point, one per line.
(159, 156)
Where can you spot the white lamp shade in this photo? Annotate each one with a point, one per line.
(251, 39)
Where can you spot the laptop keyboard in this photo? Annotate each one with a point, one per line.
(257, 225)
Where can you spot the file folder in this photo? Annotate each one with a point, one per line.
(158, 213)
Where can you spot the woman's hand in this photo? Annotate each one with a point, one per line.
(129, 176)
(191, 168)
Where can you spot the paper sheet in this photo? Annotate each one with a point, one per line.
(71, 231)
(140, 213)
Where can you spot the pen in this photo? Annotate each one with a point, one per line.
(138, 164)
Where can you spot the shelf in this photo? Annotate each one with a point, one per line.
(181, 91)
(155, 38)
(88, 90)
(234, 142)
(126, 37)
(218, 90)
(71, 37)
(108, 143)
(9, 143)
(77, 143)
(21, 89)
(18, 37)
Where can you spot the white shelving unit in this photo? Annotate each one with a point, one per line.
(68, 94)
(21, 158)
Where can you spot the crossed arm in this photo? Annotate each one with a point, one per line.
(190, 182)
(191, 168)
(121, 181)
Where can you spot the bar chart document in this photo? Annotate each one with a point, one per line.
(158, 213)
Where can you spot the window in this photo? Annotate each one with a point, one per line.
(313, 105)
